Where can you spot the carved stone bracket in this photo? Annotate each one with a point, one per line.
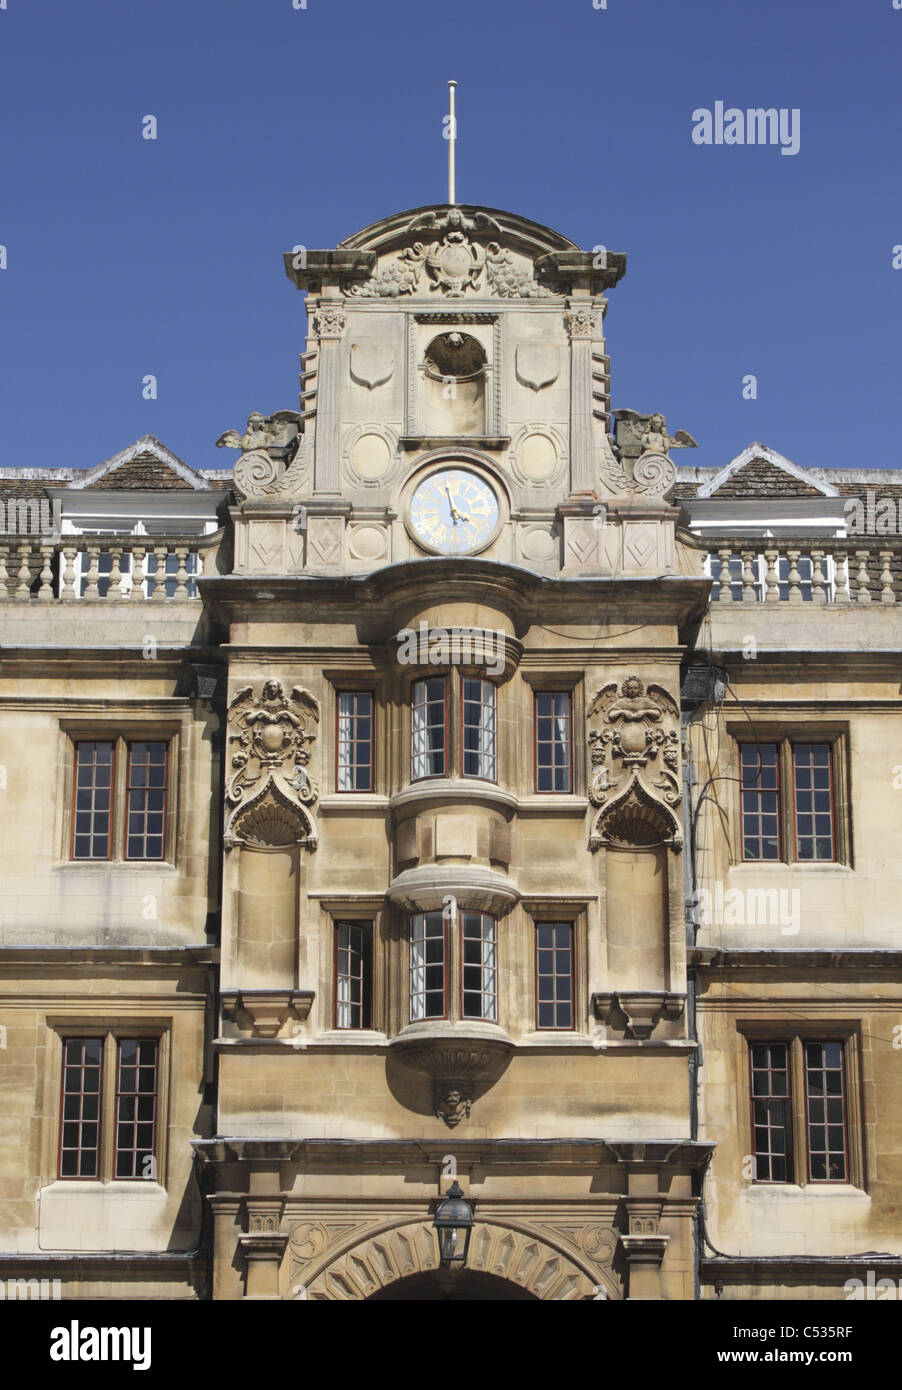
(267, 1010)
(455, 1058)
(641, 1010)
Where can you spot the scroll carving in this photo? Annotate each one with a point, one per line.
(634, 756)
(275, 457)
(270, 736)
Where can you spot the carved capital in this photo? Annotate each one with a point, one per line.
(581, 323)
(329, 322)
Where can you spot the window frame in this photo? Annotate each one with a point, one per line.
(812, 743)
(484, 682)
(536, 695)
(789, 1101)
(367, 926)
(484, 917)
(83, 1038)
(73, 1026)
(77, 742)
(570, 925)
(758, 791)
(453, 978)
(787, 736)
(795, 1038)
(129, 743)
(121, 734)
(115, 1121)
(356, 691)
(447, 965)
(447, 752)
(806, 1117)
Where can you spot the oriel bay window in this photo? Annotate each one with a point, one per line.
(119, 799)
(435, 940)
(479, 967)
(788, 801)
(429, 728)
(431, 732)
(428, 966)
(109, 1101)
(479, 752)
(800, 1110)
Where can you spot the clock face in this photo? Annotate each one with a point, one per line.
(454, 511)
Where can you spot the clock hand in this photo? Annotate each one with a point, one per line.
(454, 512)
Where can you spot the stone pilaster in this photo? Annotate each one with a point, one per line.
(581, 324)
(644, 1246)
(263, 1246)
(329, 325)
(227, 1282)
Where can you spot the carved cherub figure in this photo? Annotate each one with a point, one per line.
(647, 434)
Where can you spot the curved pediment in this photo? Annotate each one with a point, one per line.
(487, 224)
(457, 251)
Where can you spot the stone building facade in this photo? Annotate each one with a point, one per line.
(455, 787)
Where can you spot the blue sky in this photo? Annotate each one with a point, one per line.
(276, 126)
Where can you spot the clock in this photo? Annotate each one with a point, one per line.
(454, 511)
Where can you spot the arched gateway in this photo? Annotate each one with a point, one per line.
(503, 1263)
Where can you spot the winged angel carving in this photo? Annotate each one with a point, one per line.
(271, 459)
(634, 731)
(647, 434)
(643, 441)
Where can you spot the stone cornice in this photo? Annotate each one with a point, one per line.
(445, 790)
(175, 957)
(408, 587)
(121, 1265)
(770, 1269)
(688, 1154)
(788, 958)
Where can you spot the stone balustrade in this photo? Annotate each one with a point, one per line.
(129, 568)
(114, 568)
(819, 572)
